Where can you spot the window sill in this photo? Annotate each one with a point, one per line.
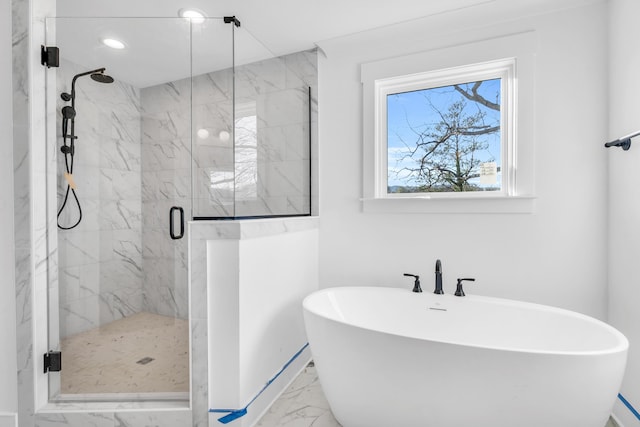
(458, 205)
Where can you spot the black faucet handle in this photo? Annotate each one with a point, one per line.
(459, 291)
(416, 282)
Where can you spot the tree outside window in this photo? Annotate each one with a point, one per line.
(445, 139)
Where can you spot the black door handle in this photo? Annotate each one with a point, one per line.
(172, 233)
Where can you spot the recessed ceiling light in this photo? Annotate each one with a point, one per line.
(113, 43)
(196, 16)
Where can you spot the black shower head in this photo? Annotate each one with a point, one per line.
(101, 78)
(97, 75)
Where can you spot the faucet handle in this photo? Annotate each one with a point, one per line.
(459, 291)
(416, 283)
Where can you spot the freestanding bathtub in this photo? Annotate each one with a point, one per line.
(389, 357)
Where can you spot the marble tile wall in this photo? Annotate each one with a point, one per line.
(21, 50)
(266, 171)
(133, 163)
(100, 261)
(278, 91)
(213, 148)
(166, 182)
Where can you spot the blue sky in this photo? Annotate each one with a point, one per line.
(411, 112)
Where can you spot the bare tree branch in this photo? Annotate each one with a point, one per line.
(483, 131)
(476, 97)
(444, 151)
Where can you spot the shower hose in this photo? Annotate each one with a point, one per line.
(69, 153)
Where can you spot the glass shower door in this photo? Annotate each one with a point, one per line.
(119, 307)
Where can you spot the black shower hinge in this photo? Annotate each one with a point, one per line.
(49, 56)
(52, 361)
(230, 19)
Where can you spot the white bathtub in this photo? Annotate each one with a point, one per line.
(389, 357)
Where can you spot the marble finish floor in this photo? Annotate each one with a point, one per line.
(303, 404)
(111, 358)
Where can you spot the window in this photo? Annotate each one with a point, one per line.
(447, 132)
(451, 129)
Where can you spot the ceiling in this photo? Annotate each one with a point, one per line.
(269, 27)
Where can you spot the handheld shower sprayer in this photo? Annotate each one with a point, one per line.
(69, 137)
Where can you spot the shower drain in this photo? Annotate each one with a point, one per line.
(145, 360)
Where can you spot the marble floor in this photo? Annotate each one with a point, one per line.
(303, 404)
(142, 353)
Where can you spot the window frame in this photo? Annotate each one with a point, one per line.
(520, 199)
(503, 69)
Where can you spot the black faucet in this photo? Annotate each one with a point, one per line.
(438, 289)
(459, 290)
(416, 283)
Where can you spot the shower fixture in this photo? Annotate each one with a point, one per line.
(69, 137)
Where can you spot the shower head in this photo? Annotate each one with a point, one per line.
(101, 78)
(96, 75)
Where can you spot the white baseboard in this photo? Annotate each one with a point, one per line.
(616, 421)
(264, 402)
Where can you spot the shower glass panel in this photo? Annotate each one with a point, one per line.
(118, 301)
(252, 135)
(212, 131)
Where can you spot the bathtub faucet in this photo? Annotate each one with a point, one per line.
(459, 290)
(438, 289)
(416, 283)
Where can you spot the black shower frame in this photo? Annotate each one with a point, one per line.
(308, 214)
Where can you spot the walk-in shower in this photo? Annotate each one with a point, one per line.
(69, 138)
(222, 130)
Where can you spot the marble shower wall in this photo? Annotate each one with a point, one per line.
(166, 182)
(266, 171)
(133, 163)
(272, 159)
(100, 261)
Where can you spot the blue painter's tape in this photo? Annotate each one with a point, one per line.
(234, 414)
(629, 406)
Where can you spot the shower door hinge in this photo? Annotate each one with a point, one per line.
(53, 361)
(230, 19)
(49, 56)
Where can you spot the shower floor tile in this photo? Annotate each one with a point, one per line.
(303, 405)
(142, 353)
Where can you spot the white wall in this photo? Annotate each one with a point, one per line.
(8, 367)
(624, 193)
(556, 255)
(258, 272)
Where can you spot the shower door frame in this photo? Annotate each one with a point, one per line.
(47, 332)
